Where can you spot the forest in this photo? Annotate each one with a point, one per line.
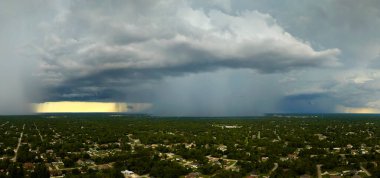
(106, 145)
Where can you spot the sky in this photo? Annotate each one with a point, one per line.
(190, 58)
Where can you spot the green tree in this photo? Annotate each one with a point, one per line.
(40, 171)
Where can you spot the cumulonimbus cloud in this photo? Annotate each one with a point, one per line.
(92, 48)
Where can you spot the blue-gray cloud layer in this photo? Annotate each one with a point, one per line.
(217, 57)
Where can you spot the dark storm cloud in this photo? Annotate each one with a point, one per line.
(216, 57)
(345, 24)
(308, 103)
(109, 47)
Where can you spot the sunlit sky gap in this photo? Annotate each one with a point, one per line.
(88, 107)
(78, 107)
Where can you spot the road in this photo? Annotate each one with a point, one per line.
(319, 172)
(224, 159)
(374, 163)
(19, 143)
(110, 165)
(4, 123)
(273, 169)
(39, 133)
(365, 170)
(232, 165)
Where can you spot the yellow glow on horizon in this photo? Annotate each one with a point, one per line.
(363, 110)
(78, 107)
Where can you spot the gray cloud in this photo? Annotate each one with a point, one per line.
(18, 87)
(342, 24)
(114, 47)
(227, 92)
(308, 103)
(218, 57)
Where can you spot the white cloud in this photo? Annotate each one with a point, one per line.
(361, 79)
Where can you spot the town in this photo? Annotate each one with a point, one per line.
(106, 145)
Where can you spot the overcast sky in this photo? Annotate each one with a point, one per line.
(209, 58)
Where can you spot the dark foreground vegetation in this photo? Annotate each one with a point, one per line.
(121, 146)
